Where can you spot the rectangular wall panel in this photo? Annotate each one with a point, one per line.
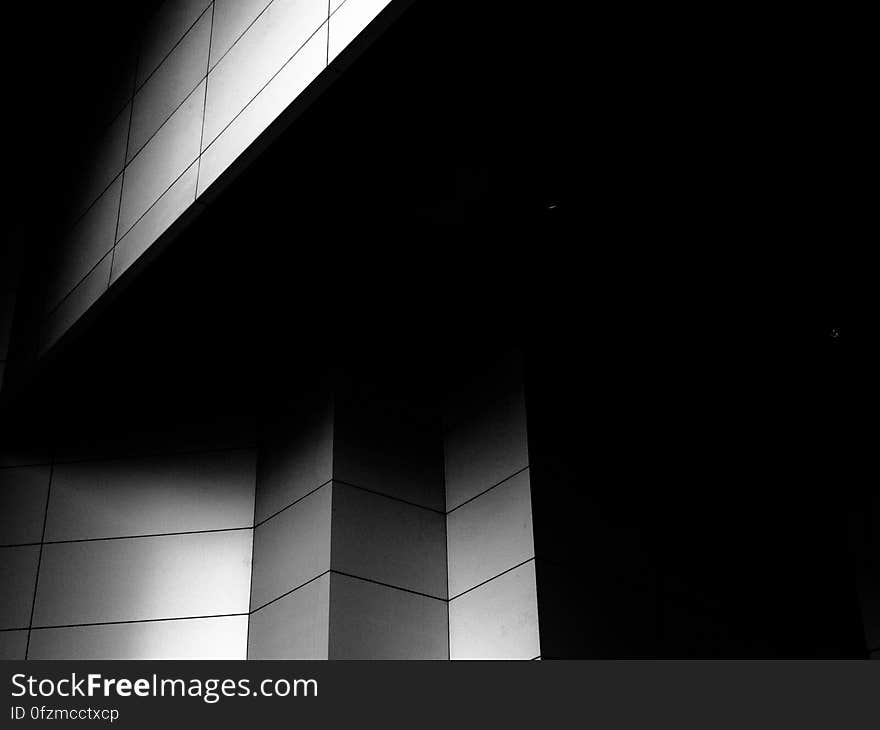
(490, 534)
(291, 548)
(13, 645)
(144, 578)
(18, 573)
(294, 627)
(388, 541)
(258, 55)
(104, 160)
(171, 83)
(231, 19)
(164, 30)
(296, 457)
(152, 495)
(485, 445)
(165, 211)
(167, 155)
(91, 238)
(77, 303)
(23, 493)
(369, 621)
(388, 448)
(222, 637)
(296, 75)
(498, 620)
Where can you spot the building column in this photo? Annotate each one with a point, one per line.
(493, 606)
(548, 557)
(349, 540)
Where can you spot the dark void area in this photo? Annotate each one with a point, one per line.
(627, 204)
(64, 63)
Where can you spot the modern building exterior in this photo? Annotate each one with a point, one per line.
(309, 373)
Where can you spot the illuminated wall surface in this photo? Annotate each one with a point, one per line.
(361, 527)
(208, 79)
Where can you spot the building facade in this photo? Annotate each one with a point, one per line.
(327, 358)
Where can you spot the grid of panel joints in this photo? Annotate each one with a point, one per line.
(488, 499)
(391, 546)
(65, 533)
(182, 188)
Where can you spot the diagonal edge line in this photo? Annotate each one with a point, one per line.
(263, 87)
(241, 35)
(287, 593)
(62, 236)
(65, 228)
(388, 585)
(130, 99)
(489, 580)
(201, 152)
(51, 313)
(347, 575)
(138, 621)
(202, 149)
(164, 58)
(150, 535)
(389, 496)
(212, 66)
(156, 202)
(165, 121)
(489, 489)
(296, 501)
(127, 230)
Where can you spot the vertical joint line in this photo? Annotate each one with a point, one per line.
(327, 62)
(333, 423)
(27, 646)
(202, 136)
(124, 166)
(247, 645)
(446, 545)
